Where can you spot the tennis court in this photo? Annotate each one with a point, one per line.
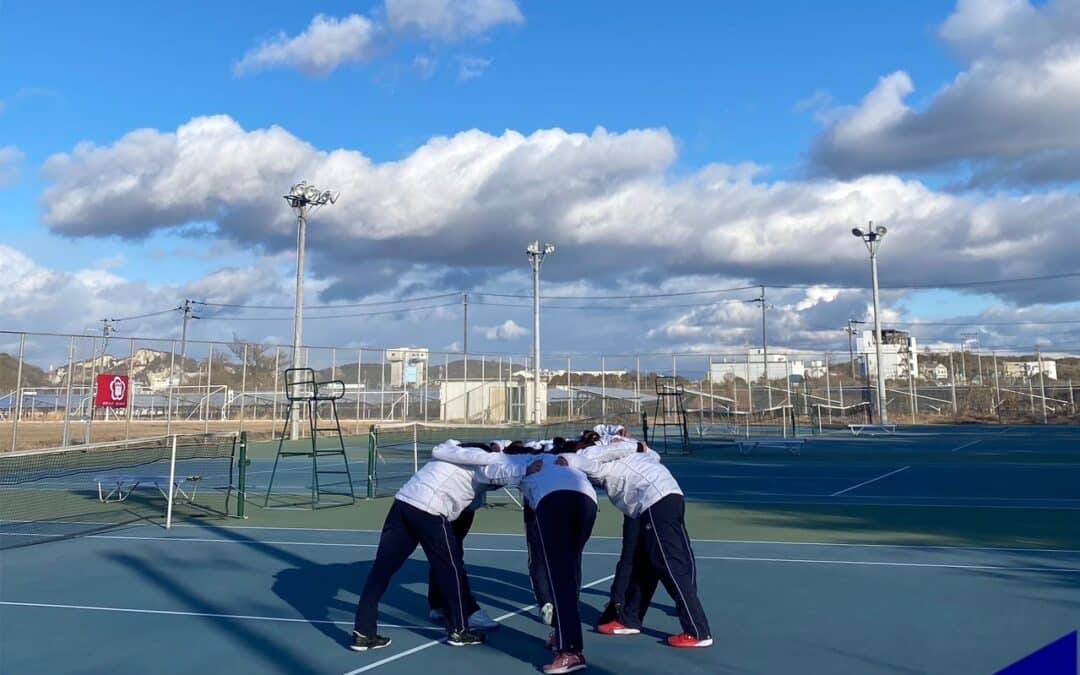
(932, 550)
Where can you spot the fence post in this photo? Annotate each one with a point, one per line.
(241, 494)
(373, 440)
(603, 387)
(131, 388)
(274, 406)
(637, 383)
(18, 392)
(911, 390)
(209, 373)
(169, 401)
(1072, 402)
(569, 393)
(952, 387)
(828, 391)
(67, 395)
(90, 403)
(359, 387)
(243, 386)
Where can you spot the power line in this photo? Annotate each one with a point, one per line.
(615, 307)
(330, 306)
(330, 316)
(143, 316)
(984, 323)
(623, 297)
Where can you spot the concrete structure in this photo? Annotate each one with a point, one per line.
(476, 401)
(408, 367)
(753, 368)
(1026, 369)
(899, 354)
(936, 372)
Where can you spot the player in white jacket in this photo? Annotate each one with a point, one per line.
(649, 496)
(422, 514)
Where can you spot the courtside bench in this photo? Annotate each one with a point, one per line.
(118, 487)
(792, 445)
(872, 429)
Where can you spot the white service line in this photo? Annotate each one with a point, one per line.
(885, 563)
(965, 445)
(212, 615)
(426, 645)
(872, 480)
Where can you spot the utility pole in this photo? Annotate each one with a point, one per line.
(465, 325)
(1042, 382)
(872, 238)
(303, 199)
(850, 330)
(536, 258)
(764, 345)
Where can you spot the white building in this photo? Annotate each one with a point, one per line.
(899, 354)
(1025, 369)
(753, 367)
(493, 401)
(408, 366)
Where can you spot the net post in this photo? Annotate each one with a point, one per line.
(373, 440)
(172, 484)
(416, 446)
(241, 484)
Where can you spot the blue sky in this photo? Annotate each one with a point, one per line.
(771, 84)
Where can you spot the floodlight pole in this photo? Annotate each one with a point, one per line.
(850, 330)
(302, 198)
(872, 238)
(536, 258)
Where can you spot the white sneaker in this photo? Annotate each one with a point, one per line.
(547, 613)
(437, 615)
(479, 620)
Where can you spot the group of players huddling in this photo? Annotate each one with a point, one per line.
(435, 509)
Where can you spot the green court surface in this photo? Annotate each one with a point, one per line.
(932, 550)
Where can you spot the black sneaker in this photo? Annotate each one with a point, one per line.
(613, 612)
(362, 643)
(464, 638)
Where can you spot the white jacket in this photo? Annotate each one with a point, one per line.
(633, 483)
(535, 486)
(443, 488)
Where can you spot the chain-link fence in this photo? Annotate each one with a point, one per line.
(49, 383)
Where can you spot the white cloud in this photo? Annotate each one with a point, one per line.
(425, 66)
(1010, 116)
(462, 207)
(504, 332)
(11, 159)
(471, 67)
(451, 20)
(326, 44)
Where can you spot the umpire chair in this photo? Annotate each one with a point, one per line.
(306, 397)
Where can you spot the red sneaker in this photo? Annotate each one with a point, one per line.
(687, 641)
(566, 662)
(616, 628)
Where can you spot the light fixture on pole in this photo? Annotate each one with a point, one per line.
(872, 238)
(536, 258)
(303, 199)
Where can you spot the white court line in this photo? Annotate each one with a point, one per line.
(212, 615)
(770, 542)
(966, 445)
(426, 645)
(885, 563)
(867, 482)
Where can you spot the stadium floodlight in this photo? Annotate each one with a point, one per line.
(872, 238)
(536, 258)
(303, 199)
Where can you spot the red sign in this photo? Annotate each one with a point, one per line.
(112, 391)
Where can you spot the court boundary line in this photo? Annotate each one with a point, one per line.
(211, 615)
(967, 445)
(872, 480)
(615, 554)
(951, 547)
(432, 643)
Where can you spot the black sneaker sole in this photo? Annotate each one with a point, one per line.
(454, 643)
(357, 648)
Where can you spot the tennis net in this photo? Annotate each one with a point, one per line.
(824, 415)
(65, 492)
(775, 421)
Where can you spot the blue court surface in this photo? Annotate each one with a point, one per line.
(913, 553)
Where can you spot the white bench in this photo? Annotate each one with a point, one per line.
(118, 487)
(872, 429)
(792, 445)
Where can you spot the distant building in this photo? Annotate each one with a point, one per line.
(1025, 369)
(752, 368)
(899, 354)
(408, 366)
